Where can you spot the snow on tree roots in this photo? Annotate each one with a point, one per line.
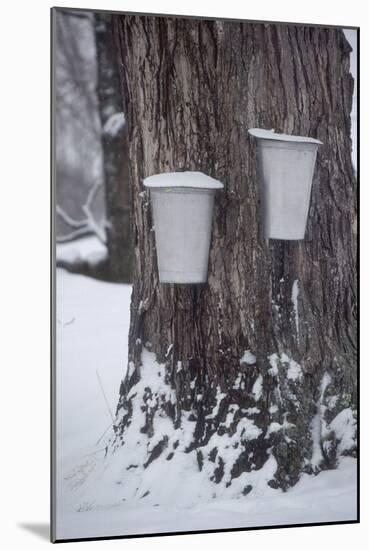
(257, 427)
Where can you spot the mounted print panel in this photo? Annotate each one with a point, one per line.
(205, 203)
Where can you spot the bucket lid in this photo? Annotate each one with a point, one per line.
(270, 134)
(194, 180)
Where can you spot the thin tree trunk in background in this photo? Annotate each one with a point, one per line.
(115, 154)
(191, 90)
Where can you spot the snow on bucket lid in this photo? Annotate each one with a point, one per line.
(270, 134)
(194, 180)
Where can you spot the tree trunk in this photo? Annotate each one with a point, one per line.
(258, 365)
(115, 155)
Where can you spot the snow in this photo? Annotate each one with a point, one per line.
(194, 180)
(294, 298)
(220, 397)
(344, 426)
(273, 361)
(89, 249)
(117, 495)
(316, 433)
(114, 124)
(91, 320)
(276, 426)
(248, 358)
(271, 135)
(170, 347)
(294, 371)
(257, 388)
(330, 496)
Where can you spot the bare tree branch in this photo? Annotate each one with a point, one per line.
(68, 219)
(73, 235)
(98, 230)
(86, 226)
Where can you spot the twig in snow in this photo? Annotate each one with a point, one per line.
(69, 322)
(94, 452)
(100, 438)
(105, 398)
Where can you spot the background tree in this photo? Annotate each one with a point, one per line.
(115, 152)
(80, 197)
(263, 357)
(92, 172)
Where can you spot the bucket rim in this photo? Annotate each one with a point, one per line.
(261, 133)
(188, 179)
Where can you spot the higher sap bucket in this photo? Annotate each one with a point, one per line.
(182, 206)
(286, 166)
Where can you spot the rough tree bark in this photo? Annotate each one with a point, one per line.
(115, 155)
(264, 355)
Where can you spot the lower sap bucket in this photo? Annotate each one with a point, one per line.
(182, 219)
(286, 167)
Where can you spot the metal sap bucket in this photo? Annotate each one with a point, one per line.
(182, 207)
(286, 170)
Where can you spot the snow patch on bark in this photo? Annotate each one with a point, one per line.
(273, 360)
(147, 453)
(332, 437)
(152, 376)
(220, 397)
(344, 425)
(248, 358)
(170, 347)
(114, 124)
(318, 426)
(294, 370)
(294, 298)
(257, 388)
(316, 434)
(276, 427)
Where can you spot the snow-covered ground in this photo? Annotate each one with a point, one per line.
(330, 496)
(87, 249)
(92, 334)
